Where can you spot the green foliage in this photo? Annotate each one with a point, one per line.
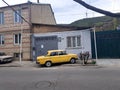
(99, 24)
(93, 62)
(90, 22)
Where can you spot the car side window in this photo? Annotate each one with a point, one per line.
(62, 53)
(54, 54)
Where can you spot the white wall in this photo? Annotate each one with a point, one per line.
(85, 40)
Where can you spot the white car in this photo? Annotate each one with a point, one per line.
(5, 58)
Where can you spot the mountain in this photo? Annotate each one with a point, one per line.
(101, 23)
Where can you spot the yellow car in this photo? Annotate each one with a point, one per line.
(56, 56)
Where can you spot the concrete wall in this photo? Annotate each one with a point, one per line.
(42, 14)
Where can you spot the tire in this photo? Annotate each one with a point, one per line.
(72, 61)
(48, 64)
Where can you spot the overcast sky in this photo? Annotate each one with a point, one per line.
(68, 11)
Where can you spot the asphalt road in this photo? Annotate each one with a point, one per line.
(60, 78)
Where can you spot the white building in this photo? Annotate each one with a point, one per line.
(73, 41)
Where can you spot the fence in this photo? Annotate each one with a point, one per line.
(108, 44)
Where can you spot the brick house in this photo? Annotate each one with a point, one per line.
(11, 28)
(25, 37)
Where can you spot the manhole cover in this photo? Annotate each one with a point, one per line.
(38, 85)
(43, 84)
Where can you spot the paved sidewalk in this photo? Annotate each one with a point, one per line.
(19, 64)
(33, 64)
(100, 62)
(109, 62)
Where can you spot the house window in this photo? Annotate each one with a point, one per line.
(17, 39)
(2, 40)
(73, 41)
(17, 18)
(1, 18)
(17, 55)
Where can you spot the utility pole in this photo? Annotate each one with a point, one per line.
(95, 44)
(38, 1)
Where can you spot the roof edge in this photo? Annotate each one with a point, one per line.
(62, 26)
(27, 3)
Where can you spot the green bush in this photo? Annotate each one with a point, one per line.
(93, 62)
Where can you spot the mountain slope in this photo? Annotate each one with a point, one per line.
(104, 22)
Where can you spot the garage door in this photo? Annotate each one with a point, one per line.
(43, 44)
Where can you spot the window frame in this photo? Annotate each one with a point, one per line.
(17, 39)
(1, 18)
(2, 39)
(74, 41)
(17, 55)
(17, 18)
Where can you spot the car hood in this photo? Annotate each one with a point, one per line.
(7, 56)
(41, 56)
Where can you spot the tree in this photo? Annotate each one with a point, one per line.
(97, 9)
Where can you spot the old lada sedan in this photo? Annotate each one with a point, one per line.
(5, 58)
(56, 56)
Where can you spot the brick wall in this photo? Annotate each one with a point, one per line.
(10, 48)
(9, 28)
(50, 28)
(9, 23)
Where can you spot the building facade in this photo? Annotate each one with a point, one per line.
(51, 37)
(30, 29)
(16, 31)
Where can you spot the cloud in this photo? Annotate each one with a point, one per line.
(67, 11)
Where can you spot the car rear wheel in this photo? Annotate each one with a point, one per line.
(72, 61)
(48, 64)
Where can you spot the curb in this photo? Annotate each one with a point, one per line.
(9, 66)
(33, 64)
(13, 64)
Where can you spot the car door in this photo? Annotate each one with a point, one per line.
(55, 57)
(63, 56)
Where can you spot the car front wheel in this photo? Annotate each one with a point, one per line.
(72, 61)
(48, 64)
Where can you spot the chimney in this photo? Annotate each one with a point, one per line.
(38, 1)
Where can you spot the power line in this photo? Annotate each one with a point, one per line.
(89, 13)
(17, 13)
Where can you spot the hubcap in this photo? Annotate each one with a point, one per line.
(48, 64)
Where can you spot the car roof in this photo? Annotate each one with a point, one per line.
(55, 50)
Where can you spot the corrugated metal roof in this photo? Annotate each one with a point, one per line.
(62, 26)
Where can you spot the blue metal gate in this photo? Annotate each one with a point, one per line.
(108, 44)
(44, 43)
